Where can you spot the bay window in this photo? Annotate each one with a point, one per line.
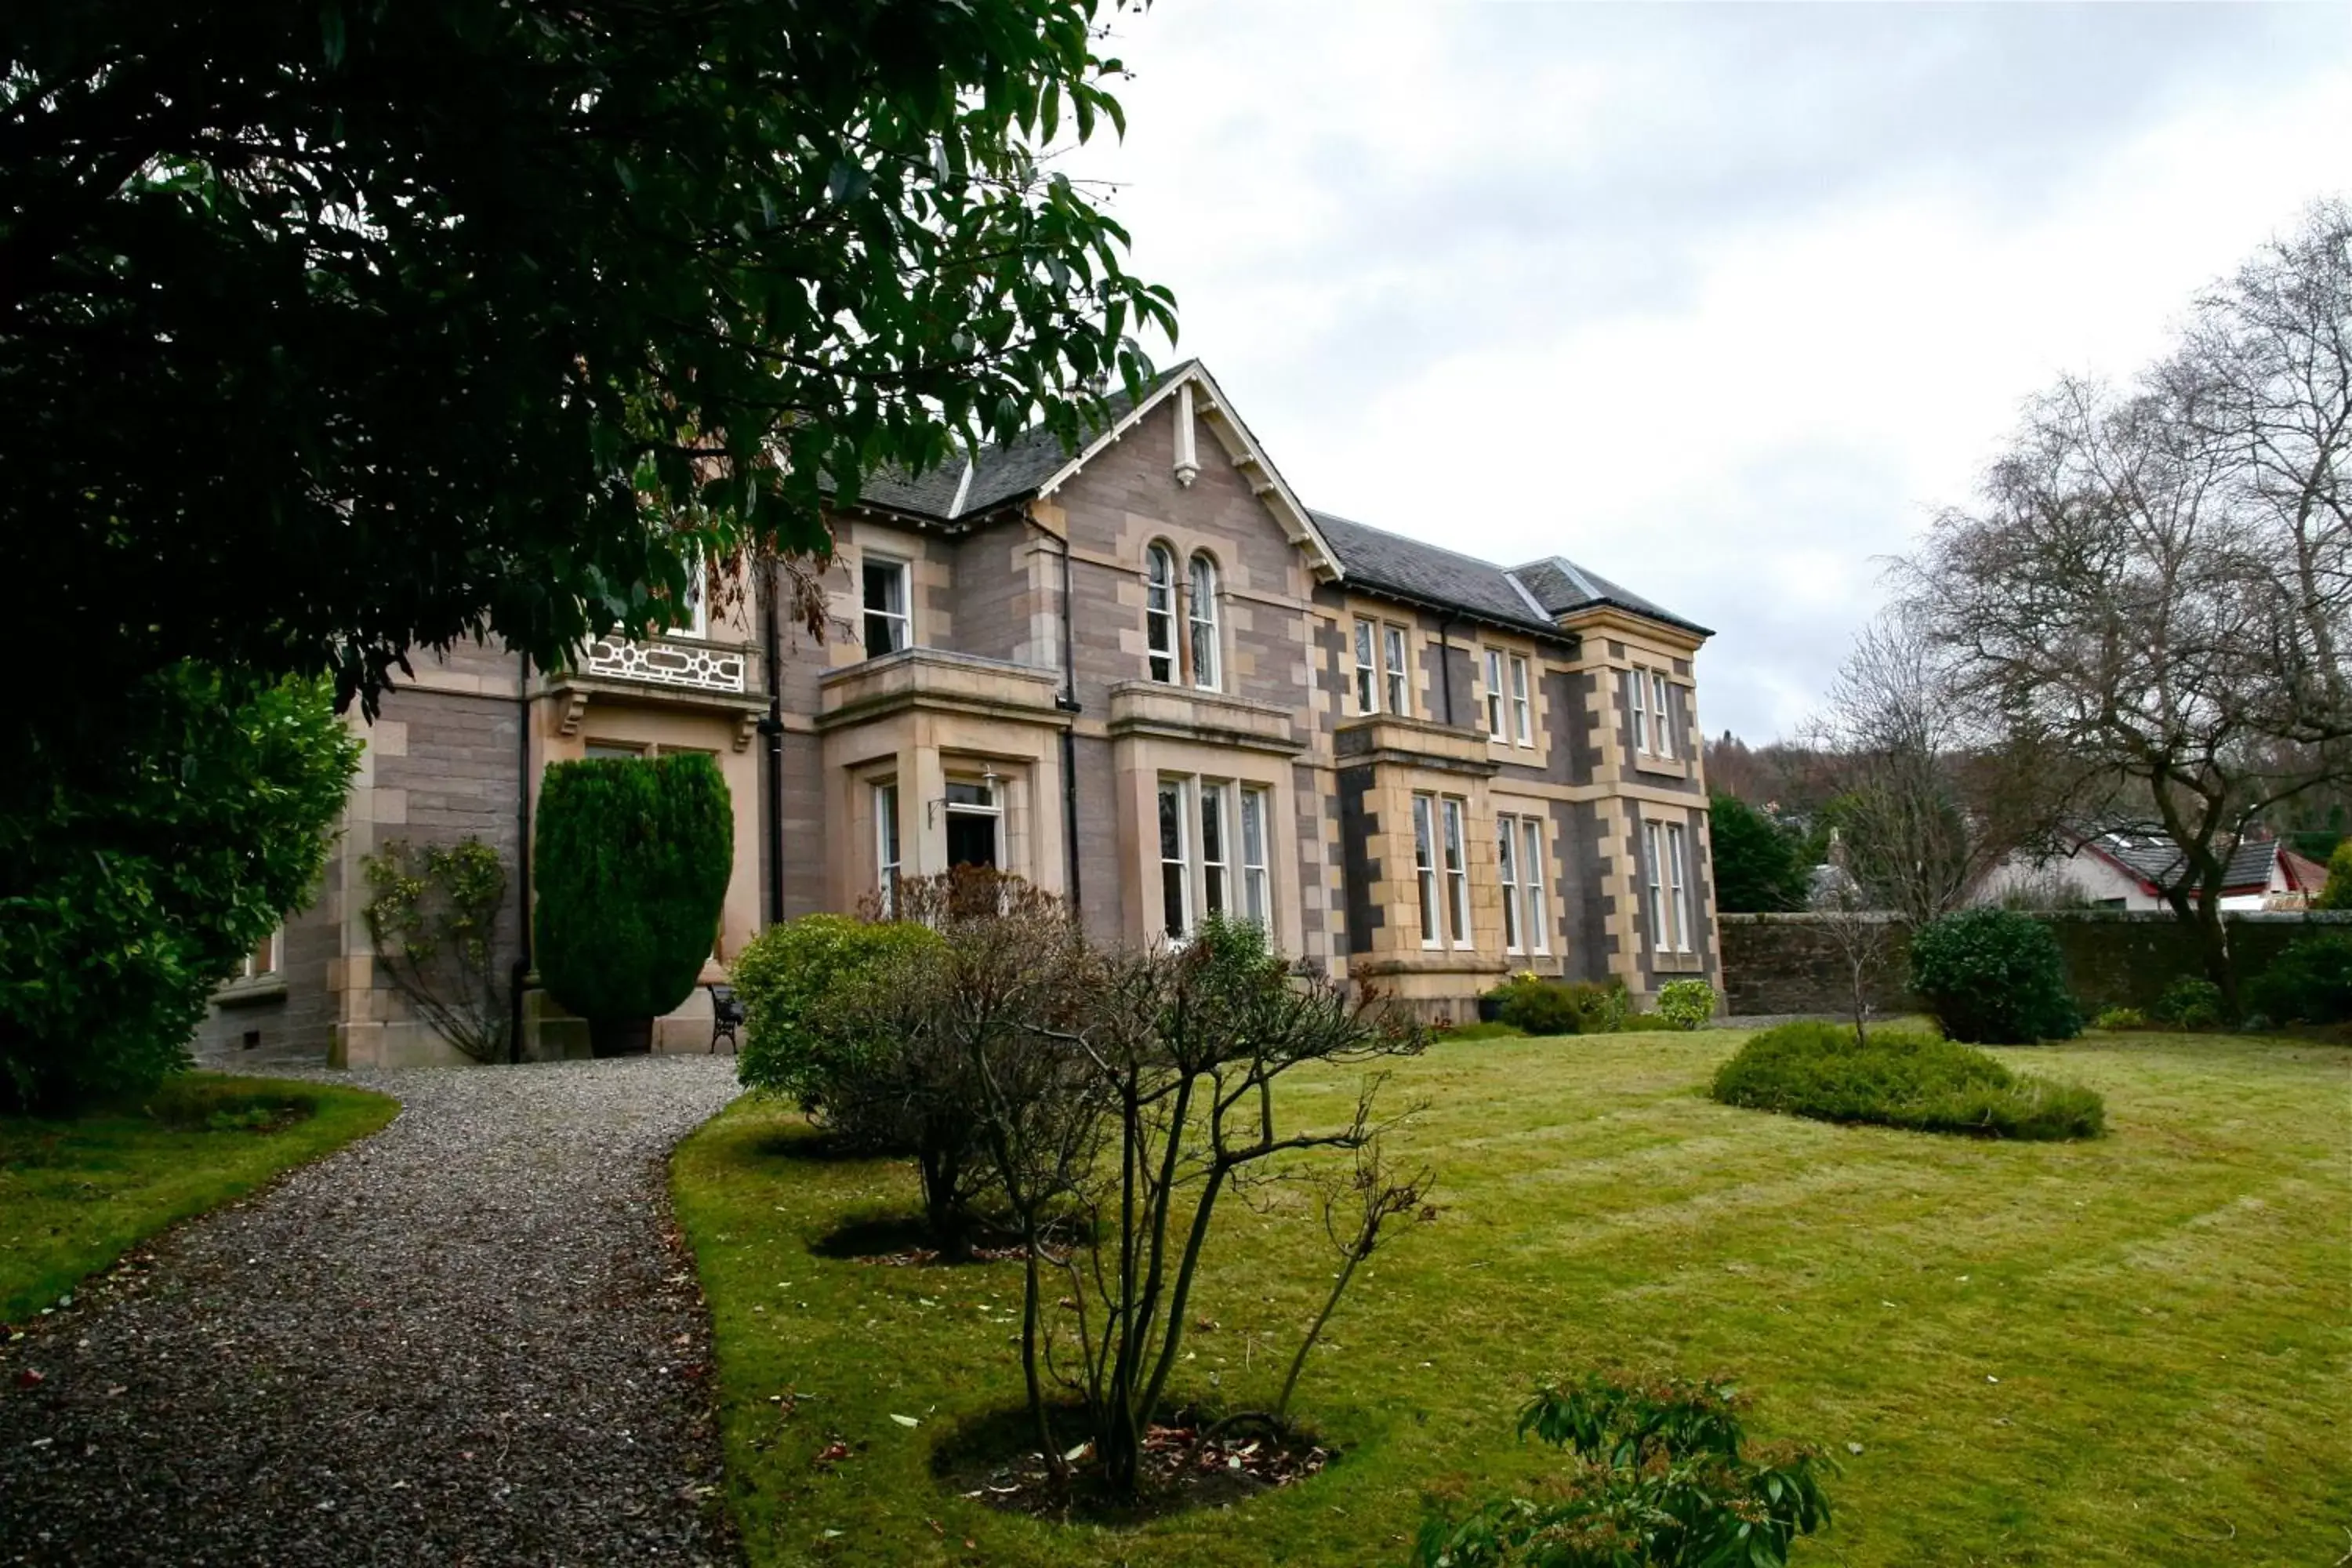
(1367, 673)
(1204, 825)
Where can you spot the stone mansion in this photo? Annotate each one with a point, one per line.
(1143, 675)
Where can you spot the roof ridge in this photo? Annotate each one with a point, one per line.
(1409, 539)
(1511, 575)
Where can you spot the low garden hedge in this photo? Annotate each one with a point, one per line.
(1901, 1078)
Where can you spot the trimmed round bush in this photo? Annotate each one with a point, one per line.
(2191, 1002)
(1901, 1078)
(632, 859)
(1686, 1003)
(784, 978)
(2309, 982)
(1994, 977)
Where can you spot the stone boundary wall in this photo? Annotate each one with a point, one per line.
(1790, 963)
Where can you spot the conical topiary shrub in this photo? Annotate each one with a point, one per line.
(632, 860)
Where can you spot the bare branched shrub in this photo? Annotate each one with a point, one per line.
(1184, 1048)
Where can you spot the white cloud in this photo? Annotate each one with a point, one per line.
(1722, 303)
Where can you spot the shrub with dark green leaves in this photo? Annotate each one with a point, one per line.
(793, 1042)
(1686, 1003)
(1538, 1006)
(2309, 982)
(2191, 1002)
(1994, 977)
(633, 861)
(2337, 893)
(1901, 1078)
(144, 863)
(1661, 1474)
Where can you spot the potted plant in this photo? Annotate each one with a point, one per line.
(633, 858)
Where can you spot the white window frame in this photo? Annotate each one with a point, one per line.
(1507, 861)
(1182, 861)
(1534, 929)
(1396, 664)
(1424, 864)
(1368, 671)
(991, 807)
(1159, 640)
(1679, 885)
(1662, 708)
(1257, 882)
(1207, 650)
(889, 846)
(1455, 812)
(898, 625)
(1216, 863)
(1495, 695)
(1522, 710)
(1638, 703)
(1653, 843)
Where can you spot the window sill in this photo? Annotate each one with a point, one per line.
(1662, 767)
(251, 993)
(1676, 963)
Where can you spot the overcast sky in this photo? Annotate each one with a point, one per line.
(1720, 302)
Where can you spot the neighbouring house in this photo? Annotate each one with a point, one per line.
(1143, 675)
(2129, 868)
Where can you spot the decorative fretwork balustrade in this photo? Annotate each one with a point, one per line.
(696, 667)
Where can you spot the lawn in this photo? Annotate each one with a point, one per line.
(2130, 1351)
(77, 1194)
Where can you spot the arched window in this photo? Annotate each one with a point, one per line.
(1204, 623)
(1159, 611)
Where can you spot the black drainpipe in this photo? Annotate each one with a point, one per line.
(520, 978)
(772, 729)
(1068, 703)
(1446, 664)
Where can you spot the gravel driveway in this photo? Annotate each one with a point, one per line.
(466, 1339)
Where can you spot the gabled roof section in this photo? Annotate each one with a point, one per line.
(1035, 464)
(1427, 575)
(1562, 587)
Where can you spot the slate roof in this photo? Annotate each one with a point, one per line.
(1374, 558)
(1560, 585)
(1526, 597)
(1003, 472)
(2156, 860)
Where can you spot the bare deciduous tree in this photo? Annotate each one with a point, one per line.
(1930, 803)
(2153, 588)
